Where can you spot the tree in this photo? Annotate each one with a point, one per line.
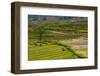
(41, 30)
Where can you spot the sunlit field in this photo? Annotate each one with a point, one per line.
(57, 37)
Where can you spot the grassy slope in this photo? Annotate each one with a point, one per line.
(49, 52)
(52, 52)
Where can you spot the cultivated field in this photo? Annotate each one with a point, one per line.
(55, 37)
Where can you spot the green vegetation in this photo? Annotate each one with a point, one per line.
(51, 38)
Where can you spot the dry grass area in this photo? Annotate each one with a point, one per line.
(79, 45)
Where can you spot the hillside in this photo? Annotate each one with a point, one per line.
(49, 35)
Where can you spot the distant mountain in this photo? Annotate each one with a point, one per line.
(43, 17)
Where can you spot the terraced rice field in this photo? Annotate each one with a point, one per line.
(53, 37)
(50, 52)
